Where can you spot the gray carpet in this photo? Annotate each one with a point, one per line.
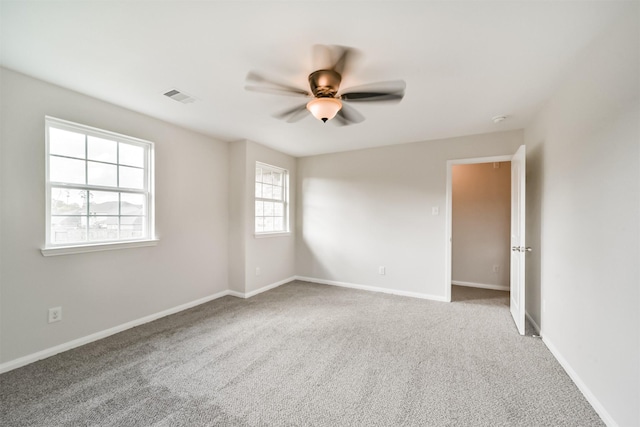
(306, 355)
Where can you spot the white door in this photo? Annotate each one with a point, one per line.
(518, 248)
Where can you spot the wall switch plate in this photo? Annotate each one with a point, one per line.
(382, 271)
(258, 271)
(435, 210)
(55, 314)
(496, 268)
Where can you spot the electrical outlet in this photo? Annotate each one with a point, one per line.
(435, 210)
(382, 271)
(258, 271)
(496, 268)
(55, 314)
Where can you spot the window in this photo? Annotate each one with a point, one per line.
(99, 186)
(272, 186)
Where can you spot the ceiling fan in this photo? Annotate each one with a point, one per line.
(324, 85)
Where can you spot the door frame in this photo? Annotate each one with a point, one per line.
(449, 210)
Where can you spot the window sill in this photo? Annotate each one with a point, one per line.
(279, 234)
(67, 250)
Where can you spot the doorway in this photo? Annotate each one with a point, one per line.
(468, 253)
(480, 225)
(516, 246)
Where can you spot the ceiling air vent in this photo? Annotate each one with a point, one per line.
(176, 95)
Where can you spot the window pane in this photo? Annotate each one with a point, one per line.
(103, 203)
(278, 224)
(132, 204)
(258, 190)
(68, 202)
(277, 178)
(258, 174)
(103, 150)
(131, 227)
(132, 155)
(277, 193)
(66, 170)
(131, 177)
(68, 229)
(267, 178)
(259, 210)
(259, 224)
(103, 228)
(278, 209)
(102, 174)
(267, 191)
(268, 224)
(268, 208)
(66, 143)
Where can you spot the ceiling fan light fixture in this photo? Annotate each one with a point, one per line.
(324, 108)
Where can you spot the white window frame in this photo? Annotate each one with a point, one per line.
(285, 201)
(52, 248)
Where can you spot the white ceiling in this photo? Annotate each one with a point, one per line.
(463, 61)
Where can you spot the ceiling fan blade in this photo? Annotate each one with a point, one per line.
(336, 58)
(343, 58)
(321, 57)
(276, 91)
(371, 96)
(294, 114)
(348, 115)
(258, 78)
(381, 91)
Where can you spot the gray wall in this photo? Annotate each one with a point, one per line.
(364, 209)
(481, 223)
(583, 222)
(101, 290)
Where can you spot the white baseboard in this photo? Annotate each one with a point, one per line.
(597, 406)
(262, 289)
(237, 294)
(536, 327)
(372, 288)
(51, 351)
(480, 285)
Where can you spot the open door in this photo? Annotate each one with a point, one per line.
(518, 248)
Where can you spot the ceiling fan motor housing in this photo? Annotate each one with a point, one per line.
(324, 83)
